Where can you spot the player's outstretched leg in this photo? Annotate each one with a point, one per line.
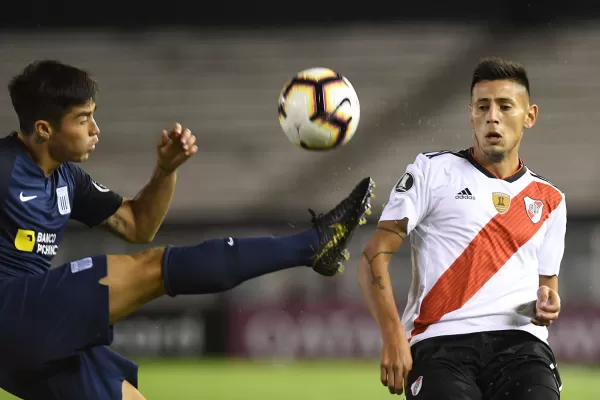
(218, 265)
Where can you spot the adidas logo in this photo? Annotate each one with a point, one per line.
(465, 194)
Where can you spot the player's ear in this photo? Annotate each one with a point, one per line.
(531, 116)
(42, 131)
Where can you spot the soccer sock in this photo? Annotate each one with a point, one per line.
(218, 265)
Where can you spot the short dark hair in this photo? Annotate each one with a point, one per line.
(48, 90)
(494, 68)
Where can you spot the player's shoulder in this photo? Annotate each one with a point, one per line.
(72, 172)
(540, 179)
(428, 165)
(436, 159)
(74, 169)
(444, 155)
(9, 144)
(10, 149)
(80, 178)
(70, 167)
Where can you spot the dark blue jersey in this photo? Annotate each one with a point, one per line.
(35, 209)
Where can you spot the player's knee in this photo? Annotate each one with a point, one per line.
(147, 264)
(140, 268)
(133, 280)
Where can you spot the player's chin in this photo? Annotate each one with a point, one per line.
(495, 148)
(77, 158)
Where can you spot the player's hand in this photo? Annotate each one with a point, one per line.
(396, 363)
(547, 306)
(175, 147)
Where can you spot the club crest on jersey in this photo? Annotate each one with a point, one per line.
(415, 388)
(534, 209)
(501, 202)
(405, 183)
(62, 198)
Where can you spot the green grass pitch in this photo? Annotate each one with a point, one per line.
(348, 380)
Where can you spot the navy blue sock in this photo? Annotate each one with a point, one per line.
(218, 265)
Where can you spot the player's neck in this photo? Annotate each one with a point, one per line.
(502, 167)
(39, 154)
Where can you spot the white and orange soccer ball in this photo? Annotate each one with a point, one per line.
(319, 109)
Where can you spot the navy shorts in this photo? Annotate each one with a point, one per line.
(54, 329)
(495, 365)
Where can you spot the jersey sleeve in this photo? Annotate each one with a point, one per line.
(552, 249)
(410, 197)
(93, 203)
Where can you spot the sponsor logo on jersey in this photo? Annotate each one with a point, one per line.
(501, 202)
(464, 194)
(31, 242)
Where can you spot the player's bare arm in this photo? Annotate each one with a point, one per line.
(138, 219)
(547, 306)
(373, 268)
(549, 281)
(375, 283)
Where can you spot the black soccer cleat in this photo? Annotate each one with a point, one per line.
(336, 228)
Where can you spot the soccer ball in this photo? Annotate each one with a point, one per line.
(319, 109)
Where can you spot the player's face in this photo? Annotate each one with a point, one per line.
(77, 136)
(500, 110)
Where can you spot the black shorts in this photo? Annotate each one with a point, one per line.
(53, 331)
(495, 365)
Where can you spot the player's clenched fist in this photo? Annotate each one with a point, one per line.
(175, 147)
(396, 363)
(547, 306)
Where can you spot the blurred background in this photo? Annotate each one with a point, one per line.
(218, 69)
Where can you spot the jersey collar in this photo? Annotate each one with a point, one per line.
(468, 154)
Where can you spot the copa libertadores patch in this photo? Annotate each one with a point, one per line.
(405, 183)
